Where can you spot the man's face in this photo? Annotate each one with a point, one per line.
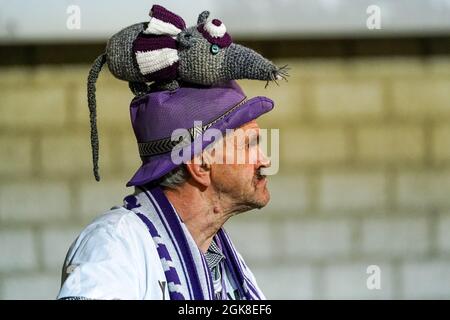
(239, 176)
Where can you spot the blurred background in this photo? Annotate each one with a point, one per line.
(364, 141)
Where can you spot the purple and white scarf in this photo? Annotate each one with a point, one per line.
(185, 267)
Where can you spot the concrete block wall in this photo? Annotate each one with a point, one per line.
(364, 177)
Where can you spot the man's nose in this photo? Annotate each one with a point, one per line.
(263, 160)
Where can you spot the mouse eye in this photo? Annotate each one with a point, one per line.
(215, 49)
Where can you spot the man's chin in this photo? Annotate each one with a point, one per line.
(258, 199)
(264, 203)
(261, 201)
(255, 203)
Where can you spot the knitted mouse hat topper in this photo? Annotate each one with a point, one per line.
(165, 53)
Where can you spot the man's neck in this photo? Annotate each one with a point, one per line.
(202, 212)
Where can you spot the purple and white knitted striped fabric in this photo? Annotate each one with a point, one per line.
(156, 56)
(162, 14)
(185, 266)
(155, 49)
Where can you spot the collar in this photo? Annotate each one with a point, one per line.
(214, 255)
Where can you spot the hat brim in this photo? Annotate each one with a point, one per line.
(160, 165)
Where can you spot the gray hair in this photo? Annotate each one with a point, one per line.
(174, 178)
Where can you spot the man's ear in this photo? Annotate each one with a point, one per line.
(199, 171)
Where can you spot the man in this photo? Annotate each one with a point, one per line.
(167, 241)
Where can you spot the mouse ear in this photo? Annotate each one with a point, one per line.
(202, 17)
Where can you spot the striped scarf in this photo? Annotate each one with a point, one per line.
(184, 265)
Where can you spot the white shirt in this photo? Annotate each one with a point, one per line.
(115, 257)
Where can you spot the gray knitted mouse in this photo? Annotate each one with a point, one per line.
(165, 53)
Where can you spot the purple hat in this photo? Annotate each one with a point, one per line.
(156, 115)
